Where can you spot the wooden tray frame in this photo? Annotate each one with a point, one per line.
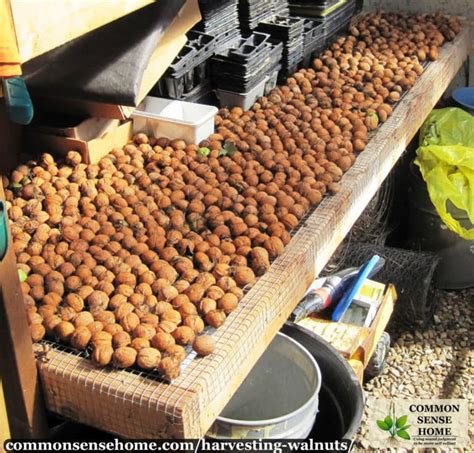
(133, 405)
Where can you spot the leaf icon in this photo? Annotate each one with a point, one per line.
(388, 421)
(403, 434)
(382, 425)
(401, 421)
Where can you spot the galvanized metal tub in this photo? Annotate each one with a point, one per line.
(278, 399)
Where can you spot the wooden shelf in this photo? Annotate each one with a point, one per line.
(42, 25)
(133, 405)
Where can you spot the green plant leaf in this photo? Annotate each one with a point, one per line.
(229, 149)
(405, 427)
(401, 421)
(22, 275)
(403, 434)
(382, 425)
(204, 152)
(388, 421)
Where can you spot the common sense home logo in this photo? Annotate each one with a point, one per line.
(395, 426)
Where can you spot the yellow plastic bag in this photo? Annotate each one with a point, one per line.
(446, 161)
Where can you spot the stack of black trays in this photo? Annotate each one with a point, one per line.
(314, 41)
(281, 8)
(311, 8)
(290, 32)
(244, 65)
(189, 70)
(219, 17)
(252, 12)
(333, 15)
(339, 20)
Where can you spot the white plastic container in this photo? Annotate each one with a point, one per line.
(174, 119)
(243, 100)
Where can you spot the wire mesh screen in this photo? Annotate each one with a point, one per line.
(411, 273)
(137, 405)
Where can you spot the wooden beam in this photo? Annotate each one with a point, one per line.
(4, 426)
(18, 371)
(42, 25)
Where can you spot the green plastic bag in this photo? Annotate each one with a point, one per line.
(446, 161)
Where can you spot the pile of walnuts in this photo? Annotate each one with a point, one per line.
(132, 257)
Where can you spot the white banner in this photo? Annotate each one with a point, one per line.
(422, 423)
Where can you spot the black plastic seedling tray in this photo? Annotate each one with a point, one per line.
(224, 20)
(282, 28)
(281, 8)
(180, 63)
(196, 51)
(313, 31)
(300, 8)
(242, 67)
(243, 73)
(318, 5)
(250, 48)
(200, 40)
(244, 57)
(341, 20)
(252, 12)
(272, 78)
(227, 39)
(344, 11)
(228, 83)
(198, 92)
(276, 53)
(212, 8)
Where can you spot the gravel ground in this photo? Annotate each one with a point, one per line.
(434, 362)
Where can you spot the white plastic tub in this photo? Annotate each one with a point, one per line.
(174, 119)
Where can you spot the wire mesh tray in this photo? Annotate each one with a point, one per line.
(133, 404)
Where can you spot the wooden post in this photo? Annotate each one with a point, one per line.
(19, 377)
(4, 427)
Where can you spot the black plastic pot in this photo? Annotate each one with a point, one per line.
(341, 399)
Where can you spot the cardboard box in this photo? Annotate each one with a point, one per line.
(169, 47)
(85, 130)
(92, 150)
(42, 25)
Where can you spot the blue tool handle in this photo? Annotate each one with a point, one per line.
(3, 231)
(17, 100)
(346, 300)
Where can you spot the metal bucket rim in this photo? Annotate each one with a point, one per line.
(302, 408)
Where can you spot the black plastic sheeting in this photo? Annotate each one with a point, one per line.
(107, 64)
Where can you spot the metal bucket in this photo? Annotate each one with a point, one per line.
(277, 400)
(341, 399)
(428, 232)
